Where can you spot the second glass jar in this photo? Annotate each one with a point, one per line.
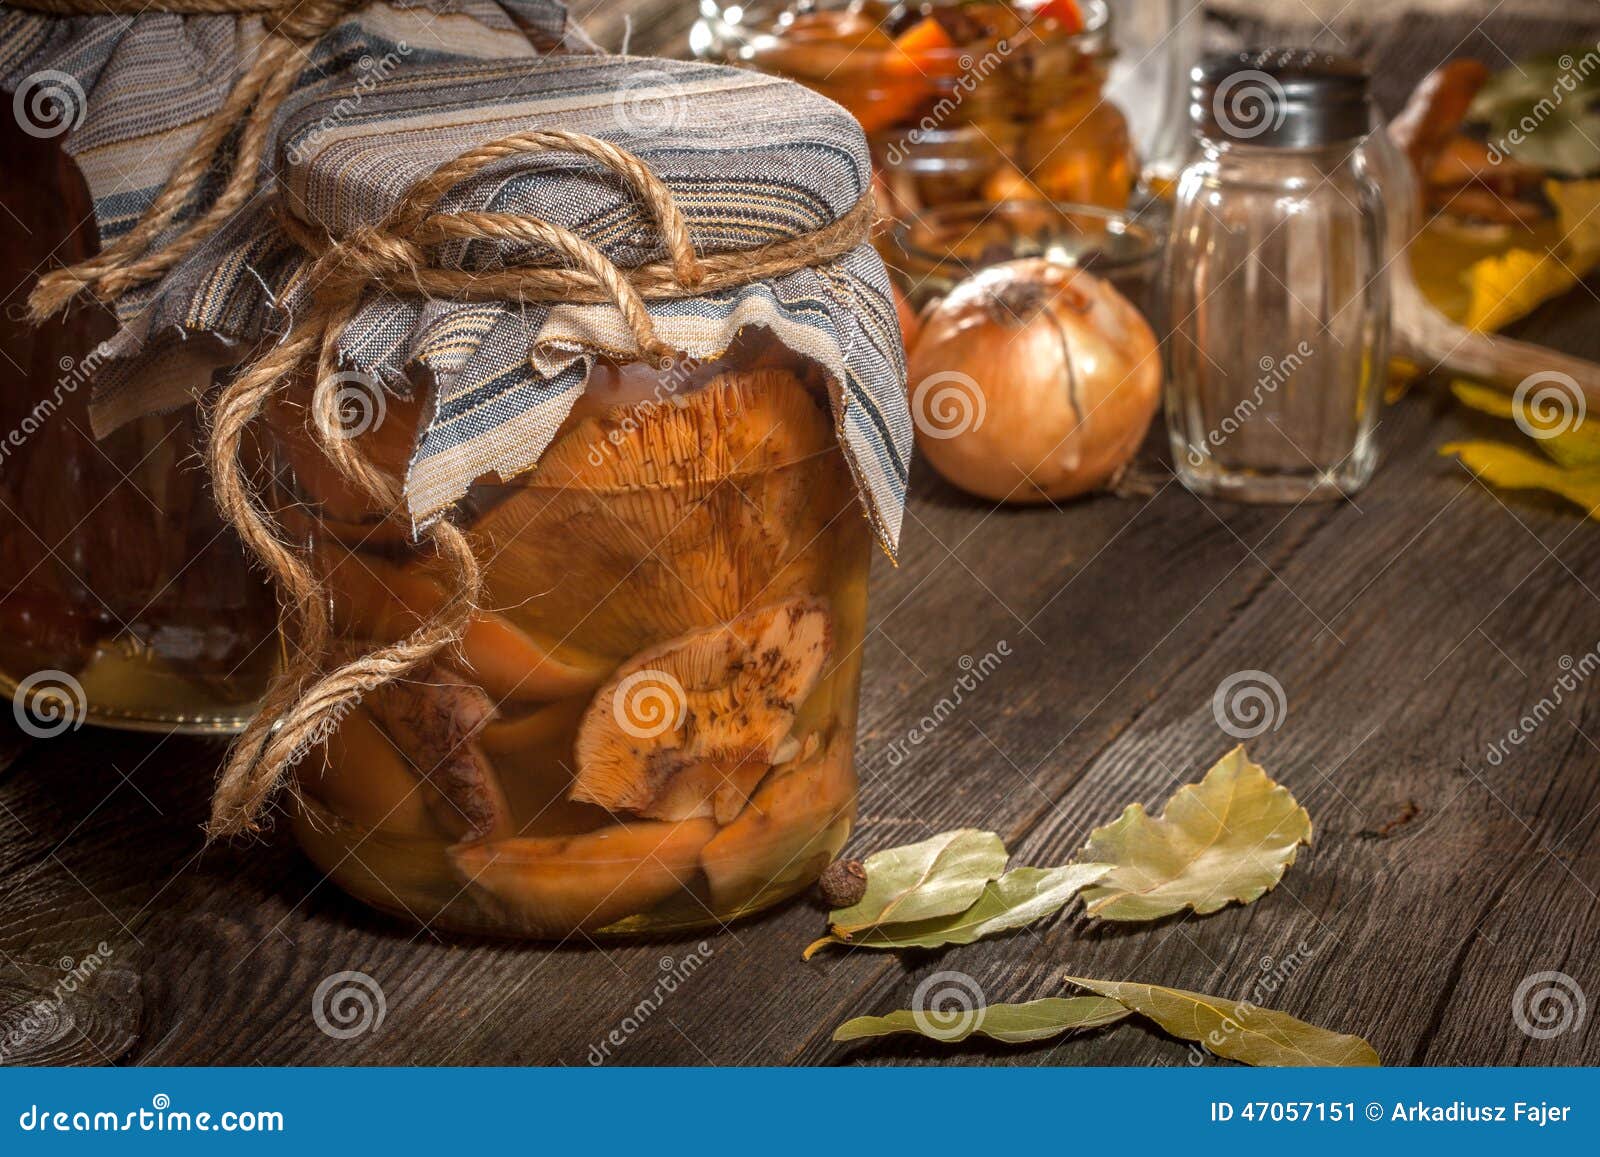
(961, 101)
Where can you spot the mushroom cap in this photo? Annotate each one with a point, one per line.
(662, 517)
(689, 727)
(365, 779)
(383, 601)
(434, 716)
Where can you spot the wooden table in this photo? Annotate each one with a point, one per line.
(1410, 629)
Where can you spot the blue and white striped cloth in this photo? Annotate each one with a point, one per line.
(749, 158)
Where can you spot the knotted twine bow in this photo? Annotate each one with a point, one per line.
(304, 705)
(129, 262)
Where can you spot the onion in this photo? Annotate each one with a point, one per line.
(1033, 381)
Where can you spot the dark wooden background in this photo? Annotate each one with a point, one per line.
(1410, 628)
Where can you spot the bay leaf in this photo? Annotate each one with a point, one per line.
(1506, 467)
(1577, 206)
(936, 877)
(1570, 444)
(1509, 286)
(1228, 838)
(1019, 897)
(1034, 1020)
(1236, 1030)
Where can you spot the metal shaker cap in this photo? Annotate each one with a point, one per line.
(1286, 98)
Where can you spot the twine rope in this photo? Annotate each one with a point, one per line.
(131, 261)
(304, 704)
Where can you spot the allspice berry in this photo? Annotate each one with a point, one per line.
(843, 883)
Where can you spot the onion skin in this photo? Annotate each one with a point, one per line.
(1033, 382)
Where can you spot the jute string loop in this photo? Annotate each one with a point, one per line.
(130, 261)
(397, 256)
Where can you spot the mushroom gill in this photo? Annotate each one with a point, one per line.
(690, 727)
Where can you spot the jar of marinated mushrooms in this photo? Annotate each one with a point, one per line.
(125, 599)
(596, 627)
(963, 100)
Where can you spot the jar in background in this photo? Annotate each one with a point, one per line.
(124, 600)
(1158, 45)
(987, 101)
(1279, 298)
(650, 723)
(935, 252)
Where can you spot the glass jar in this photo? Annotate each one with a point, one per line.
(650, 723)
(1158, 45)
(124, 600)
(937, 251)
(1279, 299)
(961, 101)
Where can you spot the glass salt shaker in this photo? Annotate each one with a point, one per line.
(1278, 292)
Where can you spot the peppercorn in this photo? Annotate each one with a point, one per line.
(843, 883)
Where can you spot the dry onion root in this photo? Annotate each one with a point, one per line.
(1033, 382)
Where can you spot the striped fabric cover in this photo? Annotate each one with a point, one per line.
(749, 158)
(136, 89)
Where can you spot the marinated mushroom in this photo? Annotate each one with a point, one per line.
(794, 825)
(553, 885)
(435, 716)
(655, 519)
(366, 780)
(689, 727)
(382, 601)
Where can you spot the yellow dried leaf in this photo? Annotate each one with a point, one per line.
(1227, 839)
(1509, 468)
(1577, 205)
(1513, 285)
(1575, 444)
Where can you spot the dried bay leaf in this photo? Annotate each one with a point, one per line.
(1228, 838)
(1019, 897)
(1034, 1020)
(1569, 444)
(938, 877)
(1546, 91)
(1236, 1030)
(1514, 284)
(1508, 468)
